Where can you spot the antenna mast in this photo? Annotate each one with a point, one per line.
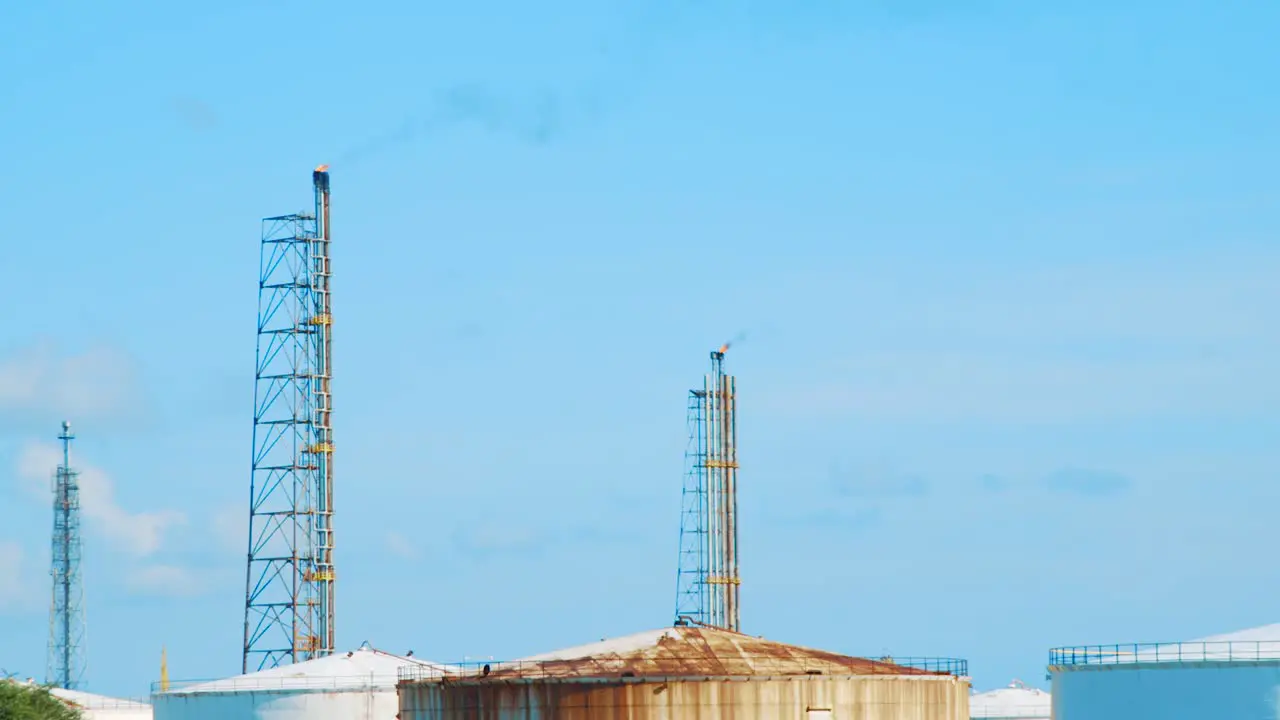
(66, 666)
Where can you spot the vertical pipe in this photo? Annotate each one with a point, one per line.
(65, 492)
(726, 510)
(323, 398)
(64, 499)
(718, 485)
(708, 464)
(726, 408)
(731, 457)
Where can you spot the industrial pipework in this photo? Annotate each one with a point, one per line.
(708, 582)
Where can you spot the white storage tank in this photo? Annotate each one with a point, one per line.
(1015, 702)
(356, 685)
(93, 706)
(102, 707)
(1223, 677)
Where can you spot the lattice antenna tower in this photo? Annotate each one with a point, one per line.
(708, 583)
(67, 629)
(289, 582)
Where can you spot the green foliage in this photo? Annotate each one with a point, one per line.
(32, 702)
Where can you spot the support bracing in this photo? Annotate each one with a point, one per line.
(67, 630)
(708, 582)
(289, 582)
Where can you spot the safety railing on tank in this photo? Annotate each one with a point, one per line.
(346, 682)
(109, 703)
(1183, 652)
(82, 698)
(695, 666)
(940, 665)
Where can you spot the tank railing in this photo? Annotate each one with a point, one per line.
(346, 682)
(1012, 712)
(109, 703)
(83, 699)
(1184, 652)
(944, 666)
(699, 665)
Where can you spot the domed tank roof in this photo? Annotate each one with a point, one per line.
(686, 650)
(1016, 700)
(362, 667)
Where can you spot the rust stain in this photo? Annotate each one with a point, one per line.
(701, 651)
(862, 697)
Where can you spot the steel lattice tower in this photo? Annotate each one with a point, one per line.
(289, 582)
(66, 613)
(707, 584)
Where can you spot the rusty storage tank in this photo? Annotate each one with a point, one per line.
(691, 673)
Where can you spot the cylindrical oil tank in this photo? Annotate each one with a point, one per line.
(357, 685)
(936, 697)
(370, 702)
(691, 673)
(1225, 677)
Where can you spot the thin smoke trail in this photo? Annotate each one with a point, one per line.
(547, 115)
(537, 120)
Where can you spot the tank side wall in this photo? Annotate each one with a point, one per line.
(1167, 692)
(377, 704)
(856, 698)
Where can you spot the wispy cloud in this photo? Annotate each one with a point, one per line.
(230, 524)
(875, 482)
(1091, 483)
(16, 591)
(167, 580)
(490, 539)
(1059, 346)
(140, 533)
(993, 483)
(42, 382)
(988, 387)
(195, 114)
(400, 545)
(835, 519)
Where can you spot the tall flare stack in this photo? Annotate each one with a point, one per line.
(324, 570)
(289, 582)
(708, 583)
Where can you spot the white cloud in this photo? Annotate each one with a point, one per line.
(400, 546)
(159, 579)
(39, 380)
(139, 533)
(16, 591)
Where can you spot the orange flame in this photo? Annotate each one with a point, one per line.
(322, 168)
(724, 348)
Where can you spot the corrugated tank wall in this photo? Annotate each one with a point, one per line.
(789, 698)
(1168, 691)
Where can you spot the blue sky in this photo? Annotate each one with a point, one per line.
(1004, 271)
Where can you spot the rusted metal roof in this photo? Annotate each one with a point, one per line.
(691, 651)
